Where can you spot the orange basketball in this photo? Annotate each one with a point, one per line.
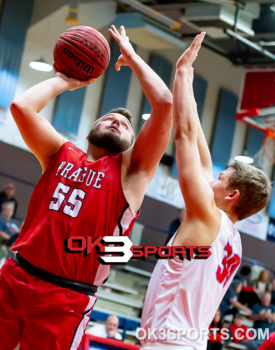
(81, 52)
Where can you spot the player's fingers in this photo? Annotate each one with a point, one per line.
(90, 81)
(117, 66)
(198, 41)
(123, 31)
(119, 63)
(114, 35)
(115, 30)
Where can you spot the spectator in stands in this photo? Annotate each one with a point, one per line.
(273, 293)
(107, 330)
(230, 303)
(4, 237)
(264, 318)
(244, 275)
(175, 224)
(7, 195)
(216, 335)
(263, 283)
(9, 227)
(7, 224)
(239, 332)
(247, 295)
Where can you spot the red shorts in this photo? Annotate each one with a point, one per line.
(38, 314)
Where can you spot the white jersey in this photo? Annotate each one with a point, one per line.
(183, 295)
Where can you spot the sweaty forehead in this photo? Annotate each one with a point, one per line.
(115, 115)
(228, 171)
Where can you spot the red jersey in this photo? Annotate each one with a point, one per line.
(268, 344)
(74, 197)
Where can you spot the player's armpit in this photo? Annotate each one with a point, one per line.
(39, 135)
(152, 141)
(197, 193)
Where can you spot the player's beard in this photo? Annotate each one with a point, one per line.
(108, 141)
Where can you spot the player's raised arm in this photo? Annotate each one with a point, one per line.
(154, 136)
(196, 191)
(39, 135)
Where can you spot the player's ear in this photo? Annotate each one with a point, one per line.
(233, 195)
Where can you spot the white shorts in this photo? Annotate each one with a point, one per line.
(160, 346)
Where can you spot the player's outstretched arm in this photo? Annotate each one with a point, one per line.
(154, 136)
(205, 156)
(39, 135)
(196, 191)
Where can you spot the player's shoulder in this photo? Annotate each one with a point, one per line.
(68, 146)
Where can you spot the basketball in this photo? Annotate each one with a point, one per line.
(81, 52)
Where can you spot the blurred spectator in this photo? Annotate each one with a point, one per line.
(264, 318)
(175, 224)
(247, 295)
(7, 224)
(8, 227)
(263, 283)
(238, 330)
(230, 303)
(107, 330)
(7, 195)
(273, 293)
(244, 275)
(216, 335)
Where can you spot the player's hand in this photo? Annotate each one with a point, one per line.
(72, 83)
(126, 48)
(189, 55)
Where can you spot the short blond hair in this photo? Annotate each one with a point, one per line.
(254, 186)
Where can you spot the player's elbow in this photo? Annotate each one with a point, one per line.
(168, 100)
(17, 108)
(184, 131)
(165, 102)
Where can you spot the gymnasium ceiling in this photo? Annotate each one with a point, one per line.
(242, 31)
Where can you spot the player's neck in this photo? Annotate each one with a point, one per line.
(94, 153)
(233, 217)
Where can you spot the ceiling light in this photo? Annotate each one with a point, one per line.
(41, 65)
(244, 159)
(146, 116)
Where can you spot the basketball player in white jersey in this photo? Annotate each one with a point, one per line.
(183, 295)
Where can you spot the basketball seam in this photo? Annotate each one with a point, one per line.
(84, 31)
(82, 52)
(85, 76)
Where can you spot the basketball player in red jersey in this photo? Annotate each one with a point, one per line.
(183, 295)
(47, 292)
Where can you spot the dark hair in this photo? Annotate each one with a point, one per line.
(218, 325)
(245, 270)
(254, 187)
(124, 112)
